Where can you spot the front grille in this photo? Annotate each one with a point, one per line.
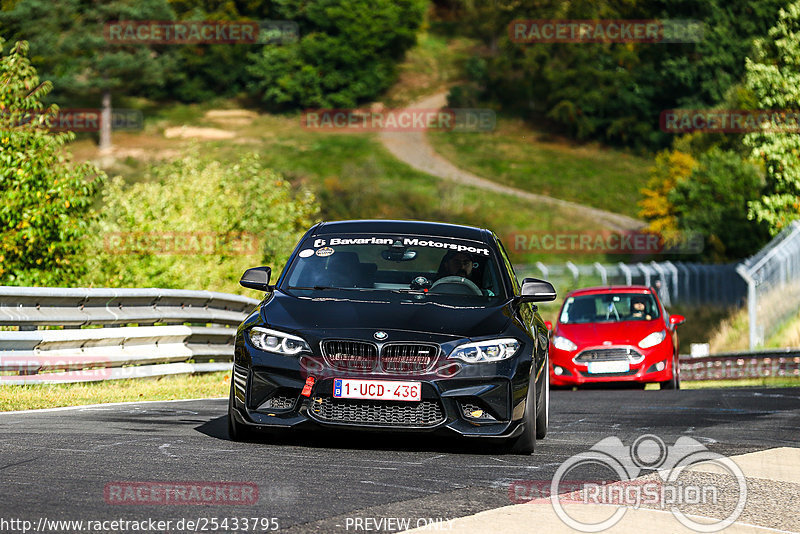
(351, 355)
(601, 375)
(615, 354)
(361, 412)
(408, 358)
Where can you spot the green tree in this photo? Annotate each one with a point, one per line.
(712, 201)
(68, 45)
(773, 75)
(45, 200)
(347, 52)
(614, 92)
(195, 223)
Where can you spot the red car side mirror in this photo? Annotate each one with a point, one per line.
(549, 325)
(675, 320)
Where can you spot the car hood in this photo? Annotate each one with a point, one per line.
(386, 311)
(621, 333)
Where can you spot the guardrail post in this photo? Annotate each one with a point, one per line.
(543, 269)
(627, 272)
(752, 308)
(576, 274)
(602, 271)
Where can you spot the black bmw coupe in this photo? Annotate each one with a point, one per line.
(399, 326)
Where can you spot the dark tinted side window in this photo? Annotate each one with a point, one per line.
(509, 268)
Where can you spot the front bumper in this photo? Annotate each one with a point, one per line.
(473, 400)
(564, 371)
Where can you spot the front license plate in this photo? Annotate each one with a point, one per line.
(609, 367)
(395, 390)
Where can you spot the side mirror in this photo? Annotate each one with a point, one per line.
(549, 325)
(256, 278)
(675, 320)
(535, 290)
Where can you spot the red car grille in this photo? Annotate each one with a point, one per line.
(614, 354)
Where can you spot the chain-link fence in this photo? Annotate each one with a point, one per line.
(677, 282)
(769, 282)
(773, 284)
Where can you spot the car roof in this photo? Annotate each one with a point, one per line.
(600, 290)
(382, 226)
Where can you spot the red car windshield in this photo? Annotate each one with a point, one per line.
(609, 307)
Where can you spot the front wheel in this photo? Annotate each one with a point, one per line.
(237, 431)
(526, 442)
(543, 418)
(675, 381)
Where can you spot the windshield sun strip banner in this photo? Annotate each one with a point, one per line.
(431, 242)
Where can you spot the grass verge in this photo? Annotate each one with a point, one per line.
(769, 382)
(36, 396)
(517, 155)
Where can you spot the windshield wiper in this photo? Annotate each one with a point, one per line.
(324, 288)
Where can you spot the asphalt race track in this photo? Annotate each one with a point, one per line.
(56, 464)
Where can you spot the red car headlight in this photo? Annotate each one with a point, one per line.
(653, 339)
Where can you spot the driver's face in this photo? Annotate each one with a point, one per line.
(459, 265)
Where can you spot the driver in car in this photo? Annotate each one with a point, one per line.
(455, 264)
(638, 309)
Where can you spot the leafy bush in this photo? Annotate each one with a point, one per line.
(347, 52)
(197, 224)
(45, 200)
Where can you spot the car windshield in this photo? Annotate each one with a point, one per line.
(609, 307)
(433, 266)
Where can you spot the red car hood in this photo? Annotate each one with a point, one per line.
(621, 333)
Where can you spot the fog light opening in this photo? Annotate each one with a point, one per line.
(474, 412)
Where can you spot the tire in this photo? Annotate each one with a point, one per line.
(675, 381)
(525, 443)
(237, 431)
(543, 417)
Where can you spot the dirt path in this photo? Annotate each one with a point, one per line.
(414, 149)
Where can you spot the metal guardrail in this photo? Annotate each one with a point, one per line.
(95, 343)
(779, 363)
(196, 326)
